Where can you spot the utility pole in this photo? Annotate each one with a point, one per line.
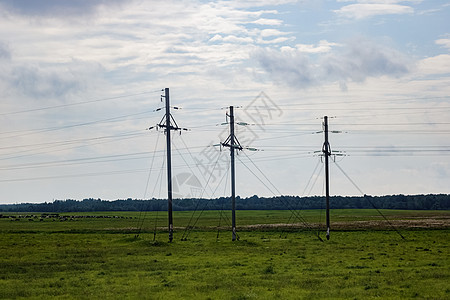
(169, 164)
(232, 143)
(233, 177)
(169, 124)
(326, 150)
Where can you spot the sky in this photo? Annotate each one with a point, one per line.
(81, 84)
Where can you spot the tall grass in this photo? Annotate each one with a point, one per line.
(73, 260)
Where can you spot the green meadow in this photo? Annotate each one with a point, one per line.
(103, 258)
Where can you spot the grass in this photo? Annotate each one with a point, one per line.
(97, 258)
(210, 219)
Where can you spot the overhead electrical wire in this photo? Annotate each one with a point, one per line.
(355, 108)
(60, 176)
(189, 227)
(269, 128)
(371, 203)
(59, 147)
(272, 188)
(73, 141)
(409, 151)
(313, 175)
(76, 103)
(213, 109)
(84, 160)
(310, 101)
(158, 182)
(142, 216)
(26, 132)
(356, 124)
(32, 152)
(186, 163)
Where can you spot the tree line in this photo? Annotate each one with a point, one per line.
(413, 202)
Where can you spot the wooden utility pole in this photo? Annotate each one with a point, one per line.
(169, 164)
(233, 177)
(233, 144)
(326, 150)
(168, 123)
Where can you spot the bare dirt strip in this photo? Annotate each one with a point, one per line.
(429, 222)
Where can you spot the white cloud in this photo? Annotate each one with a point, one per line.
(322, 47)
(260, 3)
(367, 10)
(272, 32)
(139, 37)
(355, 61)
(216, 38)
(231, 39)
(276, 40)
(439, 64)
(271, 22)
(444, 43)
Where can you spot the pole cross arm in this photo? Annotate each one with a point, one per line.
(173, 127)
(239, 147)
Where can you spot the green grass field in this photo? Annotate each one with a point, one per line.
(101, 258)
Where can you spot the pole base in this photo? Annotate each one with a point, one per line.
(170, 233)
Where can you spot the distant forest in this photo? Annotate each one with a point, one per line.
(417, 202)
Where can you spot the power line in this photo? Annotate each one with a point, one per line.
(118, 172)
(371, 203)
(76, 103)
(145, 192)
(354, 109)
(34, 153)
(56, 128)
(189, 227)
(358, 124)
(271, 187)
(68, 142)
(308, 101)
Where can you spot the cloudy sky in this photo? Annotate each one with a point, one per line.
(81, 82)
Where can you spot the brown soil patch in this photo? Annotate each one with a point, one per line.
(438, 222)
